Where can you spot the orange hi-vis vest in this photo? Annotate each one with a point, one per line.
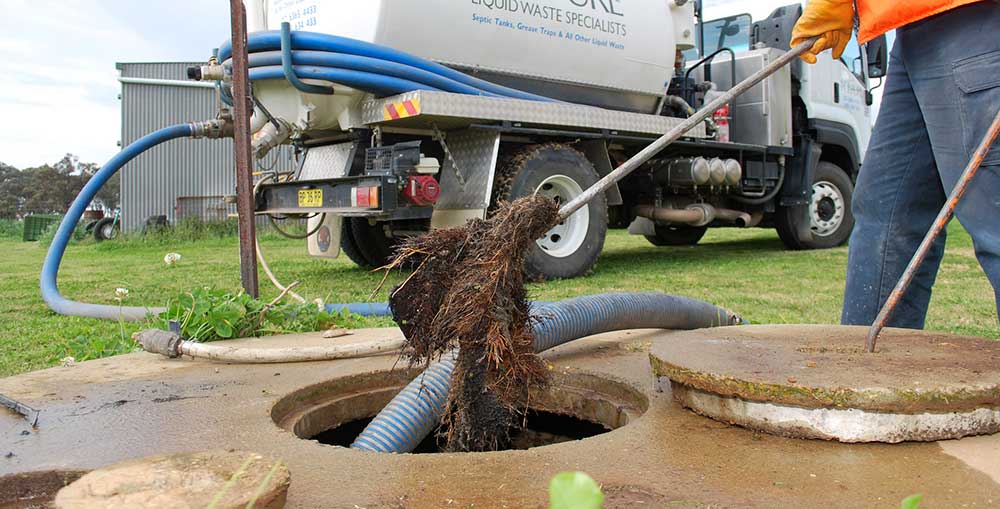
(877, 17)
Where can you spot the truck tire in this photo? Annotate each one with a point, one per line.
(374, 247)
(562, 173)
(349, 246)
(676, 235)
(830, 216)
(105, 229)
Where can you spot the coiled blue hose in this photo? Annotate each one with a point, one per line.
(411, 69)
(50, 269)
(416, 410)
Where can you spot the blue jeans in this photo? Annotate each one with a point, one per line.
(941, 94)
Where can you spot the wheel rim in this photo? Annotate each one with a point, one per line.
(567, 237)
(827, 209)
(108, 231)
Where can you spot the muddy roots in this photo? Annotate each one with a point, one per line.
(467, 292)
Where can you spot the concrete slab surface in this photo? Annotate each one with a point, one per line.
(101, 412)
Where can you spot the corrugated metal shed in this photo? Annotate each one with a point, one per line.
(196, 171)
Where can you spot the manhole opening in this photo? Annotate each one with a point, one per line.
(574, 406)
(541, 428)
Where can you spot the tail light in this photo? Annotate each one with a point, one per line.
(365, 197)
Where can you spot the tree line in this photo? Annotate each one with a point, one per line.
(51, 188)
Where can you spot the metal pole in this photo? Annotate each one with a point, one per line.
(939, 224)
(241, 147)
(654, 148)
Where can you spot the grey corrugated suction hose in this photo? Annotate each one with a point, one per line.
(416, 410)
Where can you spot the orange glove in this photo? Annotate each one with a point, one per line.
(831, 20)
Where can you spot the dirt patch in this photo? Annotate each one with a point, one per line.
(631, 497)
(33, 490)
(468, 292)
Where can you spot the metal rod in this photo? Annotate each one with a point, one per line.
(654, 148)
(26, 411)
(939, 224)
(242, 109)
(166, 83)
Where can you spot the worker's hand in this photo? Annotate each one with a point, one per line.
(831, 20)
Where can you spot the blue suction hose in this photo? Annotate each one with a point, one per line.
(380, 70)
(416, 410)
(50, 269)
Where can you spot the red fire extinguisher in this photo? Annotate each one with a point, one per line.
(721, 118)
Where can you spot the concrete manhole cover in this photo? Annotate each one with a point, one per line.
(817, 382)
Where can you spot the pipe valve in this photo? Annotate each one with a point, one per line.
(212, 72)
(221, 127)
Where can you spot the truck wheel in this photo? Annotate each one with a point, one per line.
(561, 173)
(677, 235)
(105, 229)
(830, 217)
(349, 246)
(374, 247)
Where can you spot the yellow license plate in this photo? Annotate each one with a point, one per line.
(310, 197)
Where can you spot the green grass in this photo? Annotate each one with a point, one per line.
(11, 229)
(747, 271)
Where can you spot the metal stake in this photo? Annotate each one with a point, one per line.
(26, 411)
(939, 224)
(242, 108)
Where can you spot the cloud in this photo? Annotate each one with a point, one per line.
(58, 83)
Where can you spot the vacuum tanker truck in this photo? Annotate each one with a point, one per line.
(408, 116)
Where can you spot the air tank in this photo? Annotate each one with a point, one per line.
(616, 54)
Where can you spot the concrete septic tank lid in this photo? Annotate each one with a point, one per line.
(816, 381)
(101, 412)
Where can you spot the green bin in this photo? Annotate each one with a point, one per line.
(35, 224)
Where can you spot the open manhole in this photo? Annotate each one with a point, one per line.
(575, 406)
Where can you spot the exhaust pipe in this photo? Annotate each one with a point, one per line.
(737, 217)
(699, 214)
(695, 215)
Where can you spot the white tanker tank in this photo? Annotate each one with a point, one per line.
(615, 54)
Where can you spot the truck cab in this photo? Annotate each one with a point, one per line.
(830, 113)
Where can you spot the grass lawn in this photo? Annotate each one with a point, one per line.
(744, 270)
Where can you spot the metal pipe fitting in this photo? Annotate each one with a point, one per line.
(212, 72)
(269, 136)
(221, 127)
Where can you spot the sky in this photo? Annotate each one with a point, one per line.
(58, 82)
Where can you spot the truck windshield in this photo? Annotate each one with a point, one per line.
(730, 32)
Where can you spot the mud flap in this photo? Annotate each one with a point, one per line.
(796, 193)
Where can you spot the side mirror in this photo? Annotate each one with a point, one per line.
(878, 57)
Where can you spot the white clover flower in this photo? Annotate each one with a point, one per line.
(171, 258)
(121, 293)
